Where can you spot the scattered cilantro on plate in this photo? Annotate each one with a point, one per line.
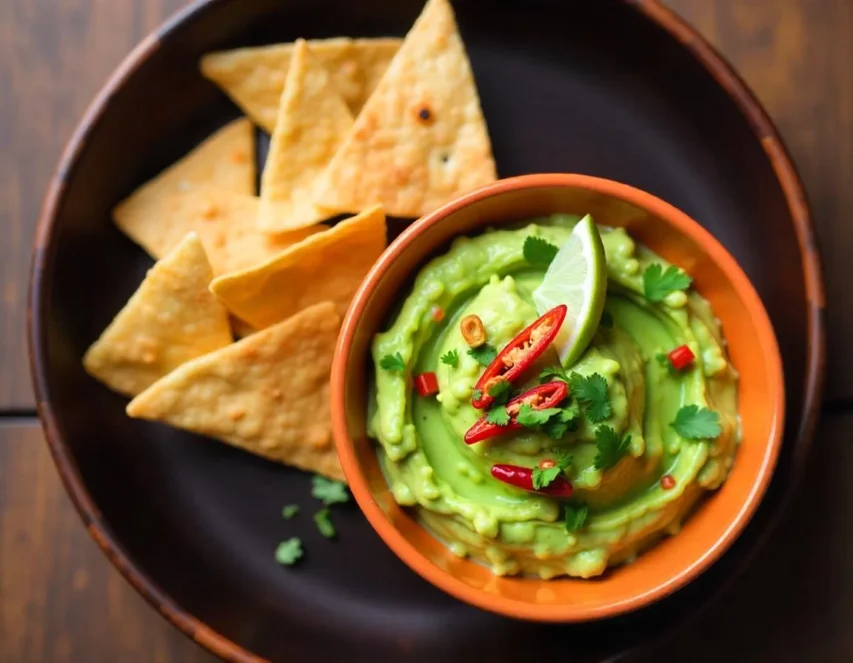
(289, 511)
(323, 520)
(329, 491)
(697, 423)
(658, 283)
(289, 552)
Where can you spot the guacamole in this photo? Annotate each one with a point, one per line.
(632, 446)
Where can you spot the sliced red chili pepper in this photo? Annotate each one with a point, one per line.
(426, 384)
(542, 397)
(519, 353)
(681, 357)
(522, 477)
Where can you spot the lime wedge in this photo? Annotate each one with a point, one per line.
(577, 277)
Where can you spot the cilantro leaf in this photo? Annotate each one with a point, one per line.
(658, 283)
(485, 354)
(591, 392)
(393, 363)
(664, 362)
(289, 511)
(323, 521)
(606, 320)
(500, 391)
(477, 394)
(289, 552)
(564, 422)
(538, 251)
(542, 478)
(498, 416)
(697, 423)
(451, 358)
(530, 417)
(557, 372)
(610, 446)
(329, 491)
(575, 516)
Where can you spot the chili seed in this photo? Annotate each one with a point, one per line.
(546, 464)
(667, 482)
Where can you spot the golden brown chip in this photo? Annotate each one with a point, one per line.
(267, 394)
(226, 222)
(171, 319)
(312, 123)
(328, 266)
(254, 77)
(421, 139)
(241, 329)
(226, 160)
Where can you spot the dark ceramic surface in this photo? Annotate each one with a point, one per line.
(599, 88)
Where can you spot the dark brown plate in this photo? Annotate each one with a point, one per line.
(616, 89)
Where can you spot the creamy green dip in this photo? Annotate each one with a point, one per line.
(448, 483)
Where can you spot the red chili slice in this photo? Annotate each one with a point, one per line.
(426, 384)
(519, 353)
(522, 477)
(542, 397)
(681, 357)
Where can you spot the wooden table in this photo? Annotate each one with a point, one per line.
(61, 601)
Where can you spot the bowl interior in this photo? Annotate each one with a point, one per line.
(753, 350)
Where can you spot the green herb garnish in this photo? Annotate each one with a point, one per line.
(697, 423)
(500, 391)
(591, 392)
(498, 416)
(562, 423)
(550, 372)
(539, 252)
(664, 362)
(485, 354)
(530, 417)
(451, 358)
(289, 552)
(289, 511)
(329, 491)
(544, 478)
(575, 516)
(323, 520)
(658, 283)
(393, 363)
(610, 446)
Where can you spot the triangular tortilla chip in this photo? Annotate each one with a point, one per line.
(169, 320)
(420, 139)
(226, 222)
(254, 77)
(225, 160)
(267, 394)
(312, 123)
(328, 266)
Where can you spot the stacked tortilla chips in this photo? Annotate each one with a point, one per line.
(362, 126)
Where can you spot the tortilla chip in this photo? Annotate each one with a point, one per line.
(241, 329)
(328, 266)
(421, 139)
(225, 221)
(225, 160)
(312, 123)
(171, 319)
(267, 394)
(254, 77)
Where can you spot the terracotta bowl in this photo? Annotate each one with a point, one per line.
(674, 561)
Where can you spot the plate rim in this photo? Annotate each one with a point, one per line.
(677, 28)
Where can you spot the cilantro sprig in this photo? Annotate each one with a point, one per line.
(575, 516)
(664, 362)
(451, 358)
(539, 252)
(290, 510)
(659, 282)
(542, 478)
(500, 391)
(323, 520)
(329, 491)
(393, 363)
(289, 552)
(485, 354)
(610, 447)
(553, 421)
(553, 372)
(591, 392)
(498, 416)
(697, 423)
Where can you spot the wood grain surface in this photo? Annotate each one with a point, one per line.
(60, 600)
